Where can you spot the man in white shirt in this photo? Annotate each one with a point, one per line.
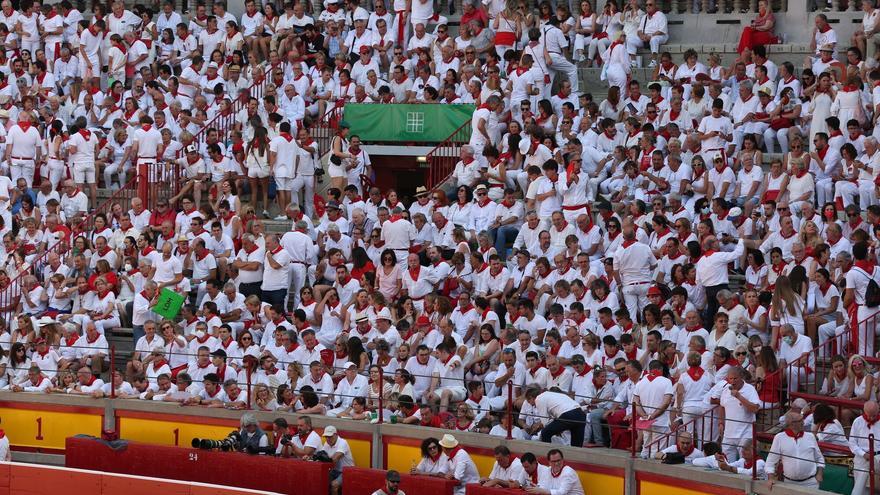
(653, 32)
(803, 463)
(652, 398)
(558, 478)
(633, 267)
(739, 403)
(461, 466)
(555, 44)
(340, 453)
(712, 271)
(352, 385)
(506, 471)
(23, 149)
(558, 413)
(276, 266)
(863, 426)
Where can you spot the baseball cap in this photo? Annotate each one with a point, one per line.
(329, 431)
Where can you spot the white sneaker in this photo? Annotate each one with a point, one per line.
(652, 64)
(281, 217)
(633, 64)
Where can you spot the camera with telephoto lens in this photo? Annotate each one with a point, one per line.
(230, 443)
(286, 439)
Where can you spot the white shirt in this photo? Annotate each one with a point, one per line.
(566, 483)
(635, 263)
(712, 269)
(24, 143)
(738, 421)
(276, 278)
(652, 394)
(800, 456)
(551, 405)
(512, 472)
(462, 468)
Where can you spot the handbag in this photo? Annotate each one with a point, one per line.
(780, 123)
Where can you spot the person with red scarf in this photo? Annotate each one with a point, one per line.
(652, 398)
(862, 316)
(795, 457)
(684, 445)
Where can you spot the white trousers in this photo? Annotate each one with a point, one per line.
(562, 64)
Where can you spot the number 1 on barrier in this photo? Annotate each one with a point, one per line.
(176, 433)
(39, 429)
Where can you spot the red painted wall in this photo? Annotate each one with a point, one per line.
(222, 468)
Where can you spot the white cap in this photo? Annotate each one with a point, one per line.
(348, 364)
(213, 65)
(735, 212)
(384, 314)
(329, 431)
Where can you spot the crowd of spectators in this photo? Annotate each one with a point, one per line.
(574, 282)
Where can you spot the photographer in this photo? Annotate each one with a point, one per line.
(253, 439)
(340, 453)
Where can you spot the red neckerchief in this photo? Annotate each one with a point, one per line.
(632, 355)
(91, 340)
(70, 341)
(159, 363)
(414, 272)
(226, 343)
(699, 327)
(794, 435)
(824, 288)
(866, 265)
(695, 372)
(854, 225)
(628, 243)
(778, 267)
(535, 370)
(752, 311)
(654, 374)
(587, 369)
(24, 125)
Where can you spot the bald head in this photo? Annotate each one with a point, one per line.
(871, 409)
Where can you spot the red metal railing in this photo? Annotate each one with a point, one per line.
(442, 159)
(702, 427)
(10, 295)
(163, 181)
(807, 371)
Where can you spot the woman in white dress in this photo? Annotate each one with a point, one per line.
(616, 64)
(632, 21)
(820, 107)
